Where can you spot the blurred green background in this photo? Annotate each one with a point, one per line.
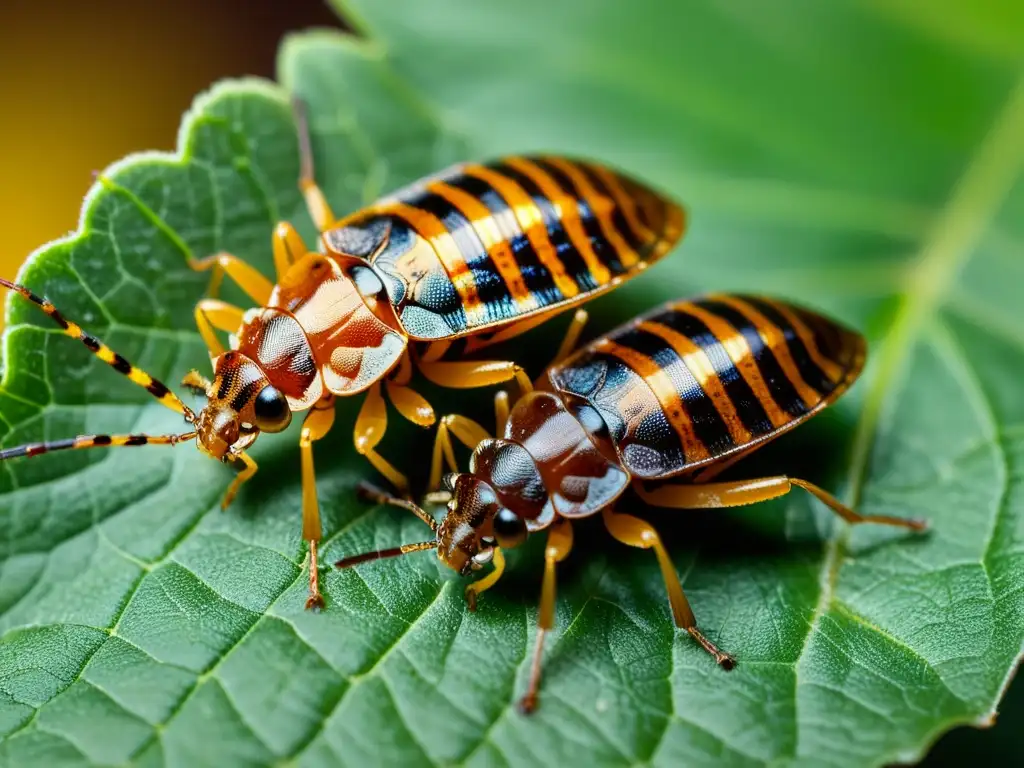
(84, 84)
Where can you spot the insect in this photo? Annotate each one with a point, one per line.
(478, 253)
(682, 392)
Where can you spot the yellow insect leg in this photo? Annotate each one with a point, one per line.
(371, 424)
(213, 314)
(639, 533)
(255, 285)
(288, 248)
(317, 424)
(738, 493)
(248, 470)
(558, 547)
(469, 374)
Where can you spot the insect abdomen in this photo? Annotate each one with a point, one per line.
(695, 381)
(486, 244)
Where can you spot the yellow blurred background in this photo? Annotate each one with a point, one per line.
(83, 84)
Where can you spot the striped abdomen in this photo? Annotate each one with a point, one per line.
(698, 380)
(482, 245)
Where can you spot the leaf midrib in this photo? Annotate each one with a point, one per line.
(974, 203)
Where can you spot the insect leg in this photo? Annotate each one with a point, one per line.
(558, 547)
(469, 434)
(639, 533)
(480, 586)
(572, 335)
(255, 285)
(441, 454)
(317, 424)
(316, 201)
(411, 404)
(742, 492)
(214, 313)
(469, 374)
(500, 412)
(288, 248)
(248, 470)
(371, 423)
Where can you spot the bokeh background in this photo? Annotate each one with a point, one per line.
(82, 85)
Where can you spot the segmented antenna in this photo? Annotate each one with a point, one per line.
(381, 554)
(92, 441)
(156, 388)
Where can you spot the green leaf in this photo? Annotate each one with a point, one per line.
(862, 158)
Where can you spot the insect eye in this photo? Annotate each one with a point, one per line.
(366, 282)
(509, 529)
(270, 410)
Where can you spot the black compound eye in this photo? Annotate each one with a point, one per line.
(509, 529)
(270, 410)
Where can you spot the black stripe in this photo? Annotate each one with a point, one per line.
(490, 286)
(605, 251)
(121, 365)
(535, 275)
(809, 370)
(52, 312)
(567, 253)
(618, 217)
(245, 394)
(707, 421)
(779, 385)
(157, 389)
(747, 406)
(91, 342)
(830, 340)
(225, 383)
(136, 440)
(101, 439)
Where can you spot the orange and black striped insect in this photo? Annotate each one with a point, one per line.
(682, 392)
(484, 252)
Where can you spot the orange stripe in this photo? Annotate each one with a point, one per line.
(775, 339)
(434, 231)
(703, 371)
(569, 214)
(742, 357)
(498, 248)
(531, 222)
(833, 371)
(602, 206)
(665, 391)
(626, 202)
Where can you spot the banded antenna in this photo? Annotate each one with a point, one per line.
(374, 494)
(136, 375)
